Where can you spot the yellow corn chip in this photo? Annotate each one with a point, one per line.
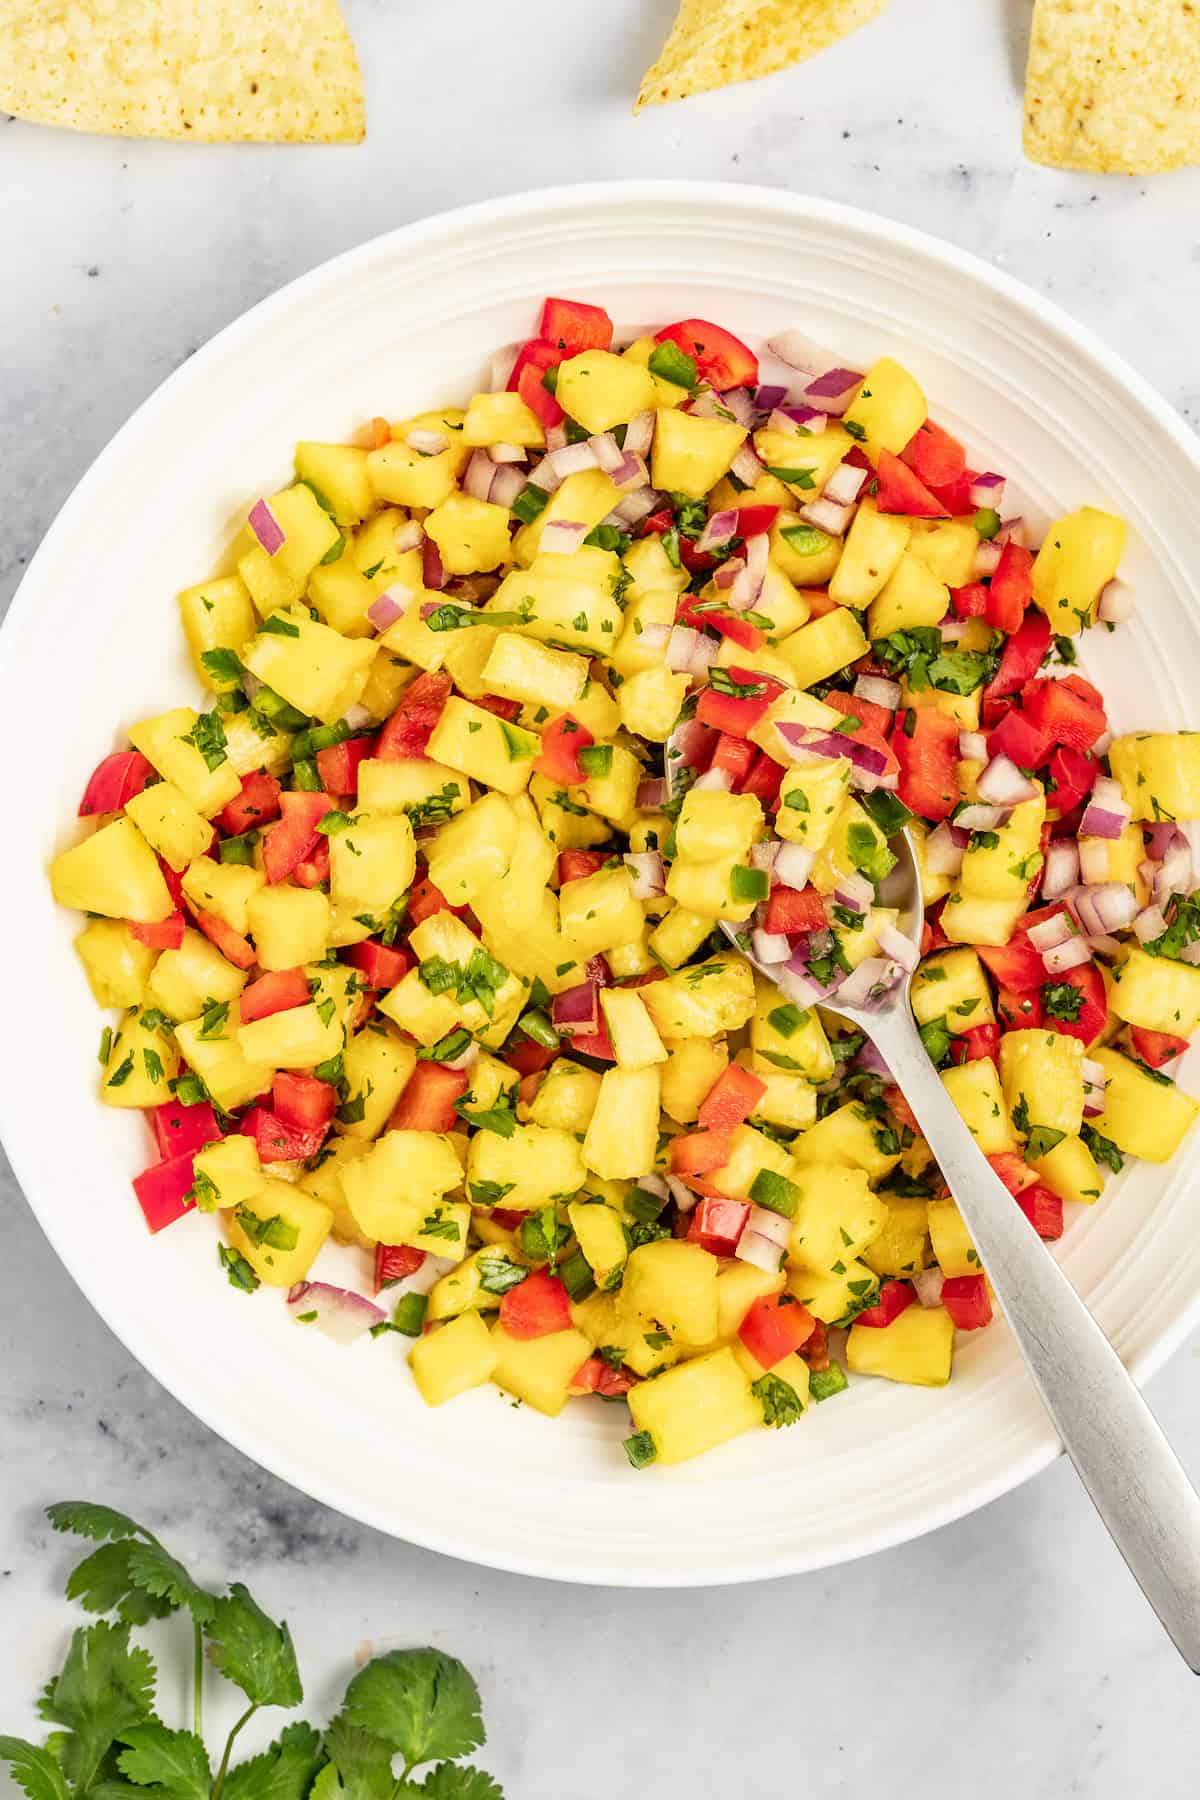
(1114, 85)
(211, 70)
(716, 42)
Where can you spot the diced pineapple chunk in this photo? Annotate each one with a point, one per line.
(457, 1356)
(695, 1406)
(917, 1347)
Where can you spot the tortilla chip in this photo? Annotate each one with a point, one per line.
(716, 42)
(215, 71)
(1114, 85)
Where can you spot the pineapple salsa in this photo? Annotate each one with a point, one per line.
(413, 947)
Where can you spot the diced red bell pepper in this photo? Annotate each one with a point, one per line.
(574, 325)
(1022, 656)
(315, 868)
(716, 1225)
(1018, 738)
(977, 1045)
(731, 1099)
(594, 1043)
(933, 925)
(529, 1058)
(1073, 776)
(902, 491)
(1016, 965)
(955, 496)
(1011, 588)
(596, 1376)
(425, 899)
(114, 781)
(763, 780)
(970, 602)
(775, 1326)
(816, 1351)
(558, 759)
(232, 945)
(1019, 1012)
(536, 1306)
(696, 562)
(1093, 1009)
(1013, 1171)
(795, 909)
(754, 520)
(1155, 1048)
(699, 1152)
(174, 884)
(1043, 1209)
(722, 360)
(293, 838)
(902, 1112)
(498, 706)
(967, 1300)
(928, 756)
(1068, 709)
(165, 934)
(410, 727)
(935, 456)
(576, 865)
(163, 1191)
(338, 765)
(256, 803)
(427, 1103)
(182, 1130)
(277, 1141)
(303, 1101)
(658, 523)
(735, 715)
(869, 713)
(277, 991)
(735, 756)
(730, 625)
(533, 359)
(395, 1262)
(894, 1298)
(381, 965)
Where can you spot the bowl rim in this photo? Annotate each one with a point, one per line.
(458, 222)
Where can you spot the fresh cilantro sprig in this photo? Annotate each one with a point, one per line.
(419, 1708)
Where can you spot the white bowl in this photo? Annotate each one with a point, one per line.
(92, 643)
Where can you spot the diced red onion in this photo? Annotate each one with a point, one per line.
(819, 944)
(573, 459)
(507, 453)
(787, 425)
(746, 466)
(928, 1285)
(681, 643)
(358, 716)
(988, 490)
(704, 655)
(1012, 531)
(425, 443)
(639, 433)
(694, 741)
(636, 506)
(266, 528)
(738, 402)
(556, 437)
(657, 1185)
(764, 853)
(807, 417)
(630, 472)
(1111, 907)
(468, 1056)
(801, 985)
(854, 893)
(769, 1224)
(389, 606)
(432, 572)
(798, 351)
(608, 453)
(845, 484)
(987, 558)
(726, 576)
(1002, 784)
(952, 629)
(870, 983)
(651, 794)
(1101, 944)
(870, 1058)
(1190, 953)
(793, 865)
(827, 516)
(976, 817)
(408, 536)
(757, 550)
(1095, 1080)
(645, 867)
(1093, 860)
(500, 367)
(340, 1315)
(477, 476)
(769, 946)
(655, 638)
(1071, 955)
(833, 391)
(1174, 873)
(507, 483)
(562, 537)
(878, 690)
(1107, 811)
(545, 476)
(702, 406)
(944, 849)
(898, 947)
(1061, 870)
(1117, 603)
(577, 1009)
(1162, 837)
(718, 781)
(812, 741)
(769, 396)
(718, 531)
(759, 1251)
(683, 1196)
(1049, 933)
(1150, 924)
(972, 746)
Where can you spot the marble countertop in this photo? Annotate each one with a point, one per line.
(1011, 1649)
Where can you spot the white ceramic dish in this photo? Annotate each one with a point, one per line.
(92, 643)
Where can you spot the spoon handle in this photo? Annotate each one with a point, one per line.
(1126, 1464)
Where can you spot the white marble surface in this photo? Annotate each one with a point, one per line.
(1008, 1654)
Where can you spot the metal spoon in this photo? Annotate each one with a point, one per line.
(1135, 1480)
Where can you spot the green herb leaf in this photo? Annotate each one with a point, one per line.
(497, 1275)
(801, 478)
(805, 540)
(222, 665)
(105, 1688)
(175, 1762)
(421, 1703)
(453, 1781)
(278, 626)
(161, 1575)
(781, 1404)
(1042, 1140)
(252, 1651)
(35, 1771)
(285, 1771)
(1103, 1149)
(240, 1274)
(640, 1449)
(88, 1520)
(208, 737)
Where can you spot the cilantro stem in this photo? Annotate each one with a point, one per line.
(197, 1680)
(245, 1719)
